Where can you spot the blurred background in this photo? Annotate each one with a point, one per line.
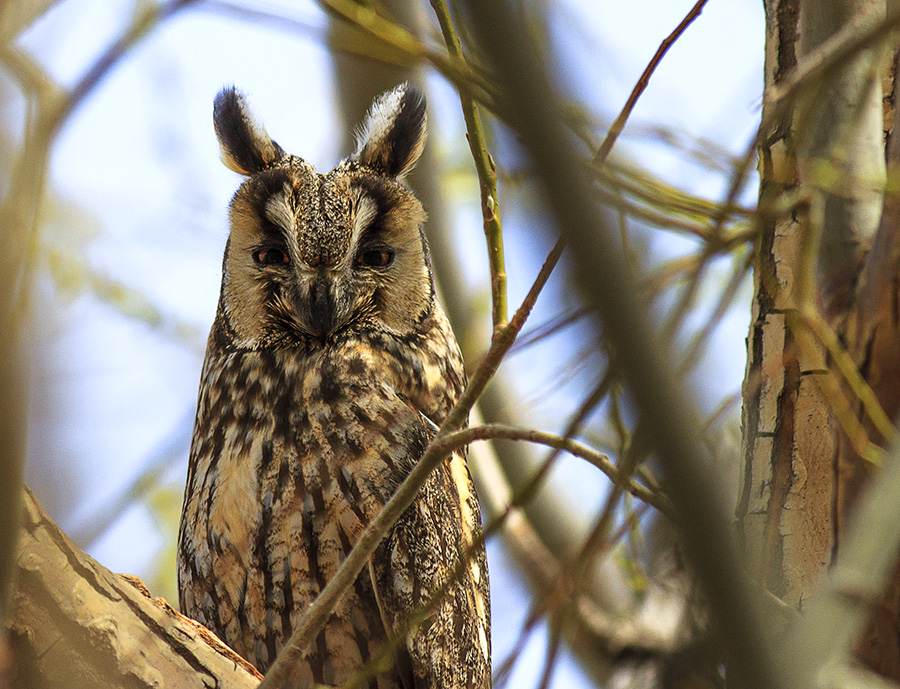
(132, 225)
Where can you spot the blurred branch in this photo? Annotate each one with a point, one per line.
(661, 402)
(393, 36)
(15, 17)
(702, 338)
(160, 460)
(18, 245)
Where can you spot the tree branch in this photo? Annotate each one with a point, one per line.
(487, 173)
(76, 625)
(619, 124)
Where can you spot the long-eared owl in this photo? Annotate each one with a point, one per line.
(329, 365)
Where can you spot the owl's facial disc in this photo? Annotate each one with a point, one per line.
(311, 256)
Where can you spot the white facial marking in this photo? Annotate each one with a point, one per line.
(278, 209)
(363, 214)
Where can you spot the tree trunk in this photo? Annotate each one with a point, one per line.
(77, 625)
(827, 150)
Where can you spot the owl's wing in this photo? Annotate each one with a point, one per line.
(450, 647)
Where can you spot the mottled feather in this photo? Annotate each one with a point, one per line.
(328, 366)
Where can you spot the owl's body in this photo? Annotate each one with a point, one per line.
(328, 367)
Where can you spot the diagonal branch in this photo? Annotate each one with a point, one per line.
(313, 620)
(619, 124)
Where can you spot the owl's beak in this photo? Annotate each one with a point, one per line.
(321, 306)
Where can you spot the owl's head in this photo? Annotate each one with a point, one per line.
(310, 255)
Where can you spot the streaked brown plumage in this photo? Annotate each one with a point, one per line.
(328, 367)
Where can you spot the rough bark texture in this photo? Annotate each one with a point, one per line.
(787, 443)
(801, 474)
(76, 624)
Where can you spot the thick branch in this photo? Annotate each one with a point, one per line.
(77, 625)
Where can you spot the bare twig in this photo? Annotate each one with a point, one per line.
(619, 124)
(573, 447)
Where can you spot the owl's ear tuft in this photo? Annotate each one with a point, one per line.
(392, 137)
(245, 146)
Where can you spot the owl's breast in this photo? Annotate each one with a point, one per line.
(291, 459)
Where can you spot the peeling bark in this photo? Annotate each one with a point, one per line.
(785, 504)
(77, 625)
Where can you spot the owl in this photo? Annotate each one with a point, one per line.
(329, 366)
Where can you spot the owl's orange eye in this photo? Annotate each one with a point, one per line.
(271, 256)
(375, 258)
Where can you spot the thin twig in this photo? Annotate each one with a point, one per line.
(573, 447)
(619, 124)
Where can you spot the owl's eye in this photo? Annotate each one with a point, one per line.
(375, 258)
(271, 256)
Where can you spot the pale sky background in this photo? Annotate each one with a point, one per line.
(140, 157)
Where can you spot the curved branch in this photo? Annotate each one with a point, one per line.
(573, 447)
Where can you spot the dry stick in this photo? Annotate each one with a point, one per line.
(487, 173)
(619, 123)
(316, 615)
(574, 448)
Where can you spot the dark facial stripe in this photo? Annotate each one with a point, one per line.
(382, 191)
